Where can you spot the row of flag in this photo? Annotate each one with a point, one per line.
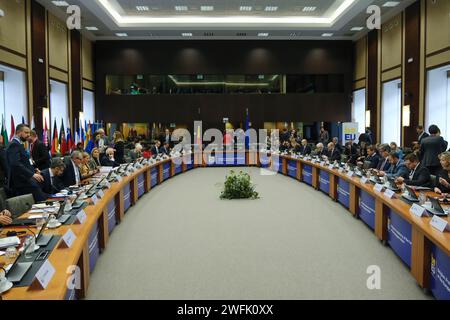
(64, 142)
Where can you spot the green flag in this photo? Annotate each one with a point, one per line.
(4, 133)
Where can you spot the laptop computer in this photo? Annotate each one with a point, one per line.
(60, 216)
(435, 207)
(19, 269)
(77, 204)
(410, 195)
(42, 239)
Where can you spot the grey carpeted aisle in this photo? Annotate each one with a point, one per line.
(181, 242)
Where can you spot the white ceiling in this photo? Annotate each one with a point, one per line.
(225, 21)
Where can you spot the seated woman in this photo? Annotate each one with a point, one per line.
(119, 146)
(94, 163)
(443, 177)
(85, 170)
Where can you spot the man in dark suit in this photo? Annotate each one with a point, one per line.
(51, 183)
(108, 159)
(383, 163)
(337, 145)
(23, 178)
(333, 153)
(39, 152)
(421, 134)
(397, 167)
(72, 175)
(305, 149)
(155, 149)
(165, 149)
(320, 150)
(372, 157)
(418, 175)
(430, 148)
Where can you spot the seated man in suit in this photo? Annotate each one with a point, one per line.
(108, 159)
(155, 149)
(72, 175)
(5, 218)
(52, 184)
(337, 145)
(136, 153)
(333, 153)
(372, 157)
(165, 149)
(397, 168)
(383, 163)
(305, 149)
(351, 152)
(23, 178)
(418, 175)
(319, 150)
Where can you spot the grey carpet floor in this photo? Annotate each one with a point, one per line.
(181, 242)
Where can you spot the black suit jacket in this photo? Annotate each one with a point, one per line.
(163, 150)
(374, 160)
(423, 136)
(154, 150)
(105, 161)
(68, 177)
(333, 155)
(47, 186)
(386, 166)
(40, 155)
(430, 148)
(20, 170)
(305, 150)
(421, 177)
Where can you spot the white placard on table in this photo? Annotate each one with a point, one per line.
(68, 239)
(43, 276)
(119, 178)
(389, 193)
(417, 210)
(94, 199)
(341, 170)
(378, 187)
(364, 180)
(350, 174)
(439, 223)
(100, 194)
(107, 185)
(81, 217)
(331, 167)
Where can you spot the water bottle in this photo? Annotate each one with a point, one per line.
(422, 198)
(29, 245)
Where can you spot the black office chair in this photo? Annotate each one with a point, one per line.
(19, 205)
(367, 165)
(433, 180)
(3, 198)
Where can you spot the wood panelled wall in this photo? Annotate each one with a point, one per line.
(41, 45)
(406, 47)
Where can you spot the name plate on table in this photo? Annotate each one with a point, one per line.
(417, 210)
(100, 194)
(94, 199)
(341, 170)
(378, 187)
(67, 239)
(107, 185)
(128, 173)
(322, 163)
(439, 223)
(350, 174)
(43, 276)
(364, 180)
(389, 193)
(81, 217)
(119, 178)
(331, 167)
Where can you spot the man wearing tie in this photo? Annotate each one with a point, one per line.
(418, 176)
(71, 175)
(155, 149)
(333, 153)
(397, 168)
(23, 178)
(305, 149)
(383, 163)
(52, 183)
(39, 152)
(421, 134)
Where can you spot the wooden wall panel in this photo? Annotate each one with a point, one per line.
(437, 26)
(360, 59)
(13, 27)
(57, 43)
(75, 60)
(391, 44)
(87, 59)
(372, 81)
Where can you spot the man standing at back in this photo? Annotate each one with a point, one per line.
(39, 152)
(430, 148)
(23, 178)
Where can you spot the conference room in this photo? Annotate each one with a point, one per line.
(224, 150)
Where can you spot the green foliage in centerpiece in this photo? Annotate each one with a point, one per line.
(238, 186)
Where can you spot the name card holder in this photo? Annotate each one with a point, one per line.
(378, 187)
(107, 185)
(81, 217)
(364, 180)
(350, 174)
(331, 167)
(322, 163)
(43, 277)
(389, 193)
(417, 210)
(341, 170)
(100, 194)
(439, 223)
(119, 178)
(94, 199)
(67, 239)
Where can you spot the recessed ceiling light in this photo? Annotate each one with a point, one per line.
(327, 34)
(142, 8)
(391, 4)
(245, 8)
(181, 8)
(356, 28)
(186, 34)
(263, 34)
(309, 9)
(122, 34)
(271, 8)
(60, 3)
(206, 8)
(92, 28)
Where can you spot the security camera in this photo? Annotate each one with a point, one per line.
(2, 13)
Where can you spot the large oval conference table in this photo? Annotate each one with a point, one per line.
(424, 250)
